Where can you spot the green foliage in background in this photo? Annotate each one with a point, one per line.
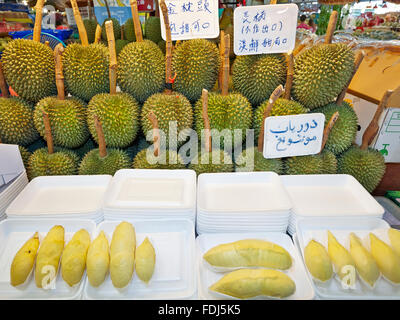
(323, 19)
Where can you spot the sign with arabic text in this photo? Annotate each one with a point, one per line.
(265, 29)
(297, 135)
(191, 19)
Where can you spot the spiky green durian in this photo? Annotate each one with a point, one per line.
(119, 116)
(28, 67)
(367, 166)
(208, 162)
(90, 26)
(282, 107)
(115, 160)
(116, 28)
(25, 155)
(129, 30)
(321, 72)
(16, 122)
(161, 44)
(167, 108)
(86, 70)
(67, 119)
(141, 69)
(119, 45)
(196, 64)
(152, 29)
(257, 76)
(344, 131)
(168, 159)
(312, 164)
(329, 162)
(253, 160)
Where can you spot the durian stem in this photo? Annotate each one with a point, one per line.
(357, 63)
(206, 119)
(168, 48)
(156, 134)
(136, 20)
(157, 11)
(97, 35)
(331, 27)
(373, 127)
(274, 96)
(289, 77)
(79, 23)
(100, 137)
(58, 51)
(37, 29)
(122, 32)
(225, 66)
(221, 56)
(113, 57)
(108, 9)
(47, 132)
(328, 128)
(3, 83)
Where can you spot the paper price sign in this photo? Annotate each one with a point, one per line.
(191, 19)
(265, 29)
(297, 135)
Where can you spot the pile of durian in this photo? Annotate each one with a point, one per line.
(78, 97)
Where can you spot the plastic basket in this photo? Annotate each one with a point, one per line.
(61, 34)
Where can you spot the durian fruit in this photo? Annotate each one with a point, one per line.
(98, 260)
(318, 261)
(129, 30)
(120, 44)
(161, 45)
(329, 162)
(145, 260)
(16, 122)
(394, 236)
(250, 283)
(388, 261)
(257, 76)
(152, 29)
(90, 26)
(116, 25)
(25, 155)
(23, 261)
(365, 263)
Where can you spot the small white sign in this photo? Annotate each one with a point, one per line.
(296, 135)
(265, 29)
(191, 19)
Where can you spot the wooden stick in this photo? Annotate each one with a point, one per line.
(108, 9)
(58, 51)
(100, 137)
(156, 134)
(373, 128)
(289, 77)
(357, 63)
(168, 48)
(331, 27)
(97, 35)
(221, 56)
(157, 11)
(113, 57)
(37, 29)
(328, 128)
(79, 23)
(47, 131)
(225, 66)
(206, 119)
(3, 83)
(274, 96)
(136, 21)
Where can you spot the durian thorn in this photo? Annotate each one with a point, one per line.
(206, 119)
(136, 20)
(79, 23)
(97, 35)
(113, 57)
(331, 27)
(3, 84)
(328, 129)
(225, 66)
(48, 135)
(289, 77)
(58, 51)
(37, 29)
(100, 137)
(156, 132)
(168, 42)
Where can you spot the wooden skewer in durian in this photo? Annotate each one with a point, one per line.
(97, 35)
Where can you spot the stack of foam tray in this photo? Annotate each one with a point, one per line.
(61, 197)
(338, 196)
(142, 194)
(241, 202)
(10, 191)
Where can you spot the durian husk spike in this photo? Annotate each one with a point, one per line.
(3, 84)
(136, 21)
(48, 135)
(221, 56)
(357, 63)
(328, 129)
(156, 133)
(79, 23)
(289, 76)
(58, 51)
(206, 119)
(373, 127)
(37, 29)
(113, 57)
(331, 27)
(97, 35)
(168, 48)
(100, 137)
(274, 96)
(225, 66)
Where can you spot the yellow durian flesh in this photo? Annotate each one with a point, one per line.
(73, 261)
(250, 283)
(388, 262)
(394, 236)
(98, 260)
(145, 260)
(339, 255)
(249, 253)
(365, 263)
(48, 257)
(318, 261)
(122, 254)
(23, 261)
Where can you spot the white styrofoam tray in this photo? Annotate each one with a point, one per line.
(174, 276)
(262, 228)
(64, 195)
(241, 193)
(207, 277)
(138, 189)
(11, 187)
(308, 229)
(330, 195)
(13, 234)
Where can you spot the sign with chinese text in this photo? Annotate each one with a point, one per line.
(191, 19)
(296, 135)
(265, 29)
